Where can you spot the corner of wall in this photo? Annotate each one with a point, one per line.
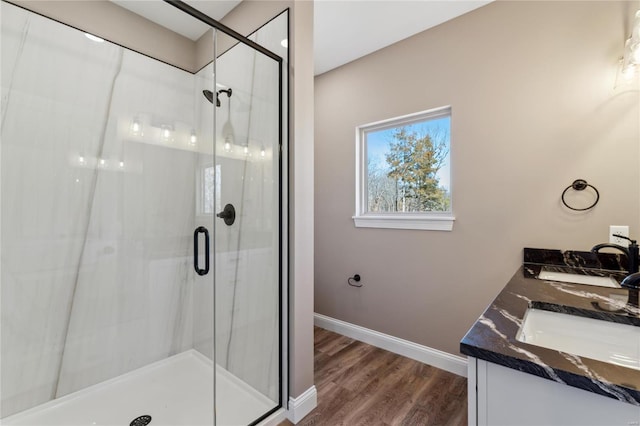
(302, 199)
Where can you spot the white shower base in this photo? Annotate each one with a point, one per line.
(177, 391)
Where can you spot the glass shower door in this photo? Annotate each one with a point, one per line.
(247, 234)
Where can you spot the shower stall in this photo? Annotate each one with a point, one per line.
(142, 220)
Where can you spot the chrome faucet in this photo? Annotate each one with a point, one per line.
(631, 251)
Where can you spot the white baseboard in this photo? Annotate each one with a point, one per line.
(302, 405)
(443, 360)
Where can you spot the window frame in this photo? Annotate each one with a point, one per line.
(201, 187)
(433, 221)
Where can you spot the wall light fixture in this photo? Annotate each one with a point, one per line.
(631, 58)
(166, 133)
(136, 127)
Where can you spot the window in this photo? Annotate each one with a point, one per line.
(209, 183)
(403, 176)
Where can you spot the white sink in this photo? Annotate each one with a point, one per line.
(578, 279)
(596, 339)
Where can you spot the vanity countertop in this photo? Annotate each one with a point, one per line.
(493, 336)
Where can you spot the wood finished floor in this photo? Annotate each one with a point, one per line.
(359, 384)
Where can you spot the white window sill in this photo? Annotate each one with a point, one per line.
(397, 221)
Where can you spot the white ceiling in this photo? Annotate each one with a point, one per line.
(344, 30)
(168, 16)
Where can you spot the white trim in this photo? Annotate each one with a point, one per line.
(433, 223)
(443, 360)
(389, 123)
(482, 395)
(302, 405)
(472, 393)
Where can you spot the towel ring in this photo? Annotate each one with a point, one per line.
(580, 185)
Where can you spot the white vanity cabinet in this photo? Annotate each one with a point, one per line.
(503, 396)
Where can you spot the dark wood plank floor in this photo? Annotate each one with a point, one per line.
(359, 384)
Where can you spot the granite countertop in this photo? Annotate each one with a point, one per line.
(493, 336)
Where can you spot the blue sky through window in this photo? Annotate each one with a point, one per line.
(378, 144)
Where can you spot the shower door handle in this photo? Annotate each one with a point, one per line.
(201, 230)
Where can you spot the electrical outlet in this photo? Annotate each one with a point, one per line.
(620, 230)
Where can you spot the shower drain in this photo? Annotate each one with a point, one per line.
(141, 421)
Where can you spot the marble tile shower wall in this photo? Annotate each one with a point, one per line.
(96, 272)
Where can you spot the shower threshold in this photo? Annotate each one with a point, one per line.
(177, 391)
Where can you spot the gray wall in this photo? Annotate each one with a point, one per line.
(531, 85)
